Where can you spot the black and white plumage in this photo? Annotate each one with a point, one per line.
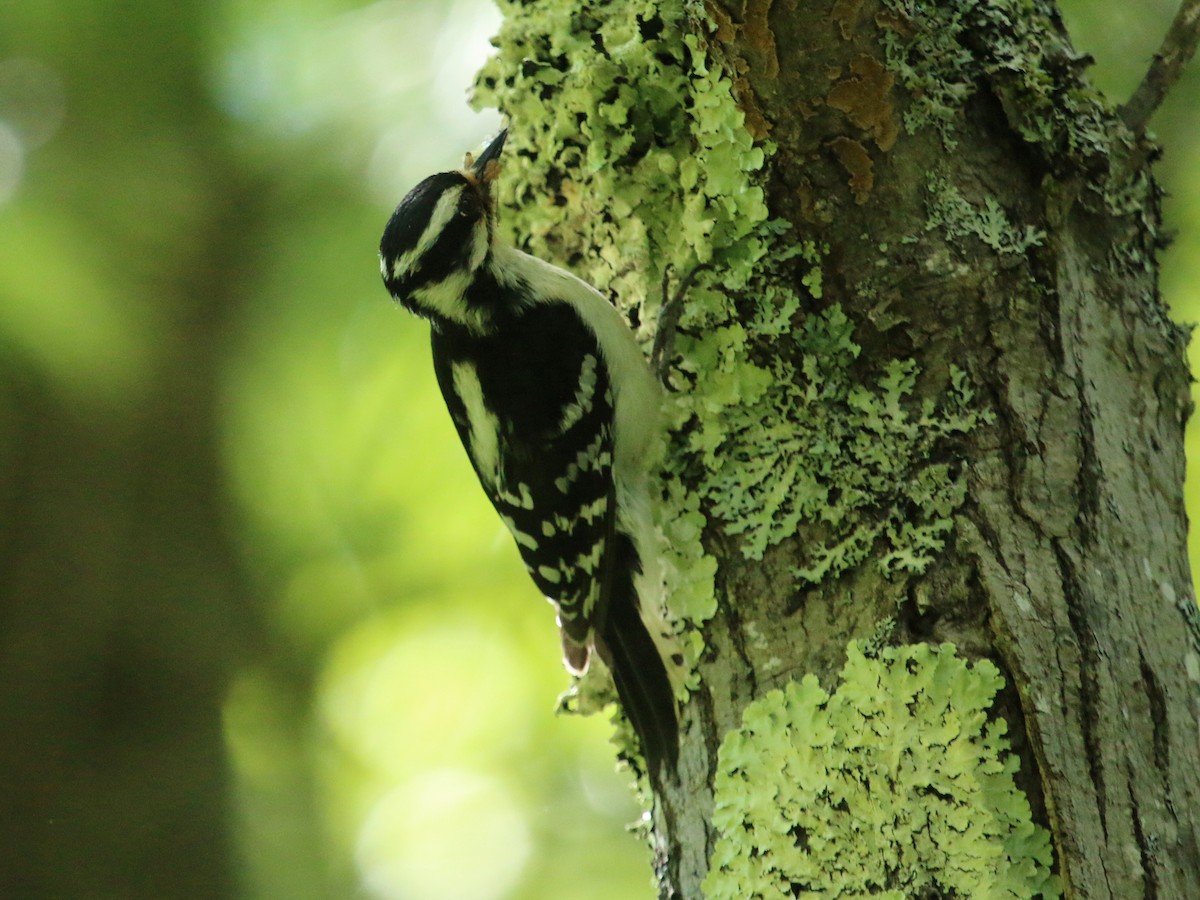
(557, 409)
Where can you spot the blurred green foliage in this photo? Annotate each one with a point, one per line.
(229, 494)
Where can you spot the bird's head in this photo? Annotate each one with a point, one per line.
(440, 236)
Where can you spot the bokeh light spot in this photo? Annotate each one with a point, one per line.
(32, 100)
(448, 834)
(12, 162)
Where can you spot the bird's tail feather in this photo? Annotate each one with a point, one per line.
(639, 674)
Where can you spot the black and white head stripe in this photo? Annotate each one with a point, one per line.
(439, 229)
(439, 236)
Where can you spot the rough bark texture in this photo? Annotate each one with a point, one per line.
(1077, 540)
(1067, 566)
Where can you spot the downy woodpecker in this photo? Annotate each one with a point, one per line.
(557, 408)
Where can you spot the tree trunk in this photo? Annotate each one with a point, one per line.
(924, 490)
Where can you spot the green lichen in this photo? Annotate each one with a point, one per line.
(929, 47)
(856, 463)
(797, 441)
(624, 138)
(693, 599)
(943, 53)
(957, 217)
(897, 785)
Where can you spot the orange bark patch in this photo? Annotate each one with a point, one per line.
(865, 97)
(857, 161)
(845, 14)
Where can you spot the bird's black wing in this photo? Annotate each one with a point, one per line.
(533, 406)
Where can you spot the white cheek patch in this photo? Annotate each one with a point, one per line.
(448, 298)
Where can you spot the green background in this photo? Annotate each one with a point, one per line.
(239, 544)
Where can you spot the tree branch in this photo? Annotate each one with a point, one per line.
(1169, 62)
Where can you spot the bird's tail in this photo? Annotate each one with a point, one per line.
(638, 672)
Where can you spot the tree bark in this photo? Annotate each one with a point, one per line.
(972, 244)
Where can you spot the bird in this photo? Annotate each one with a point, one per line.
(558, 411)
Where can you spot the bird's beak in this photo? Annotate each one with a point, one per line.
(479, 167)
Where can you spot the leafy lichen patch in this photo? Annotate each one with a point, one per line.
(957, 217)
(624, 136)
(931, 50)
(857, 463)
(895, 785)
